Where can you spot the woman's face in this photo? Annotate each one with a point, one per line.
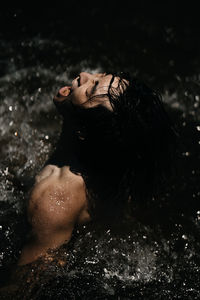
(89, 90)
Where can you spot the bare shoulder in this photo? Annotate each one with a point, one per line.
(57, 202)
(62, 174)
(46, 172)
(57, 194)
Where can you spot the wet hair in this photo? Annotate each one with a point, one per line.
(126, 153)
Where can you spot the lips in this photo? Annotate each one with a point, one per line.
(63, 93)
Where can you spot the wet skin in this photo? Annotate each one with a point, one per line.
(57, 202)
(58, 198)
(85, 87)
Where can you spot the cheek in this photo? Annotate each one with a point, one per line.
(78, 97)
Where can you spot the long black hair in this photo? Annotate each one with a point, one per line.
(125, 153)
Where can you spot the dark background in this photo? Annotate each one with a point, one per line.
(158, 41)
(152, 38)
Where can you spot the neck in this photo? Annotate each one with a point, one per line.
(66, 150)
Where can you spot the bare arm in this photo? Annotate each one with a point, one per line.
(56, 203)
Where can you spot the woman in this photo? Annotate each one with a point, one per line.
(115, 145)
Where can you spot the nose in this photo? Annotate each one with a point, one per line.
(84, 77)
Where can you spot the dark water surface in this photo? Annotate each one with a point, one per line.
(156, 257)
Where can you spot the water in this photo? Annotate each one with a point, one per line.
(155, 257)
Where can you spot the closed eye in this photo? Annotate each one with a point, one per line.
(93, 90)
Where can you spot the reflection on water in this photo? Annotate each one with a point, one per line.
(156, 258)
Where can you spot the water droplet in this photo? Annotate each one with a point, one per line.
(10, 108)
(6, 233)
(6, 171)
(184, 237)
(186, 153)
(198, 128)
(178, 77)
(46, 137)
